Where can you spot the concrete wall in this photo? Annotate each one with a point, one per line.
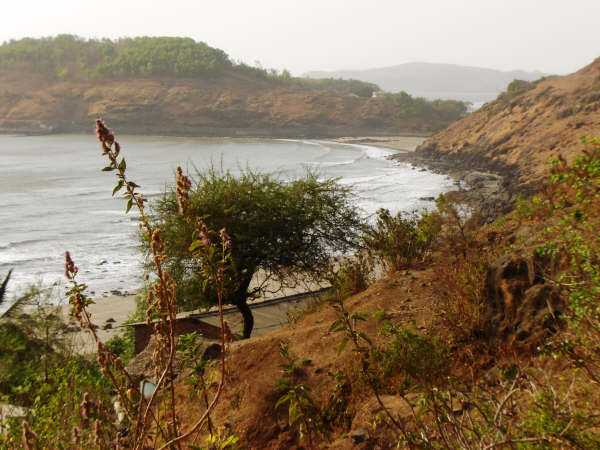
(142, 331)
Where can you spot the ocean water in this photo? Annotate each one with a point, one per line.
(54, 196)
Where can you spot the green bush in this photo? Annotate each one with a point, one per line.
(39, 370)
(32, 340)
(304, 417)
(421, 359)
(406, 107)
(122, 346)
(354, 275)
(402, 240)
(356, 87)
(54, 414)
(67, 56)
(516, 88)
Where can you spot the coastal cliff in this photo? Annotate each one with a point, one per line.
(518, 133)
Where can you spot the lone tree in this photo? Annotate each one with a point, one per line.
(283, 231)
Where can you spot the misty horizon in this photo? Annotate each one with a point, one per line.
(555, 38)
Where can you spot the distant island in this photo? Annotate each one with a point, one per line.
(433, 81)
(177, 86)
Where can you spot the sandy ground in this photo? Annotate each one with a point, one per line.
(103, 312)
(400, 143)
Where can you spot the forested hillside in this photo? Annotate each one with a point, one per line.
(176, 85)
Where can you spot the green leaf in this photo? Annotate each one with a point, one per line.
(358, 316)
(231, 440)
(364, 337)
(338, 325)
(129, 205)
(293, 413)
(122, 165)
(108, 169)
(282, 401)
(118, 187)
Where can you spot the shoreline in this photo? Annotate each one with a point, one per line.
(110, 312)
(305, 132)
(476, 185)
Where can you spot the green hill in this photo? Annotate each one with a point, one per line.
(175, 85)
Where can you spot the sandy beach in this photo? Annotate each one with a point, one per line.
(109, 314)
(400, 143)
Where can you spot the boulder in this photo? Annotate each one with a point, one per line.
(523, 308)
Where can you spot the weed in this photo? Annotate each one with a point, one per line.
(303, 415)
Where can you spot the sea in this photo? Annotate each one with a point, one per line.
(54, 197)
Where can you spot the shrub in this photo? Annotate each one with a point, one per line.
(40, 371)
(354, 275)
(56, 415)
(420, 359)
(460, 300)
(122, 346)
(402, 240)
(516, 88)
(569, 211)
(32, 341)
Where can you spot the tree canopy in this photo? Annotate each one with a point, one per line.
(67, 56)
(281, 229)
(72, 57)
(407, 106)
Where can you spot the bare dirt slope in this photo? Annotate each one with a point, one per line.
(248, 402)
(520, 131)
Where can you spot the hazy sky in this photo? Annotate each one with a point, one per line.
(555, 36)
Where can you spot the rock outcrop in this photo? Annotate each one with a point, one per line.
(523, 308)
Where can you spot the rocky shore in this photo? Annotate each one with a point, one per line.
(480, 184)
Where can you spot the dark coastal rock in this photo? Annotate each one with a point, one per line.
(479, 178)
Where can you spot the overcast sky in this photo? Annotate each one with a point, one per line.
(555, 36)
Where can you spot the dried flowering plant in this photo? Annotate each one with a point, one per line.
(155, 421)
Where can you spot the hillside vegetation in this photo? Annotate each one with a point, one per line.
(173, 85)
(529, 123)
